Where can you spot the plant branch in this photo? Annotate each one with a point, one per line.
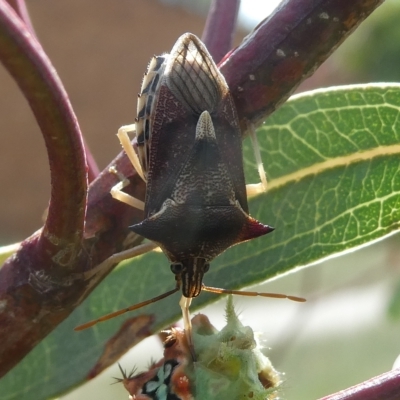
(25, 60)
(19, 7)
(382, 387)
(30, 279)
(285, 49)
(220, 27)
(92, 167)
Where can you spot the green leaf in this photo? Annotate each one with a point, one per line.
(332, 159)
(332, 162)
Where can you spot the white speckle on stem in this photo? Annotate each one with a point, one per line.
(3, 305)
(280, 53)
(324, 15)
(252, 77)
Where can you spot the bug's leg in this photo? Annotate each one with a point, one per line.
(116, 191)
(118, 257)
(127, 146)
(257, 188)
(187, 323)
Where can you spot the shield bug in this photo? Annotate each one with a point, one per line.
(189, 152)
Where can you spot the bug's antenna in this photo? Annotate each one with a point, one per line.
(249, 293)
(124, 310)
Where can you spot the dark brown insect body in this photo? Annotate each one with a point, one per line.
(190, 150)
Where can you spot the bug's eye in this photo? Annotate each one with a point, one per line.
(177, 268)
(206, 267)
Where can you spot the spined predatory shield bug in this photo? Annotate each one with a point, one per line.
(189, 152)
(229, 365)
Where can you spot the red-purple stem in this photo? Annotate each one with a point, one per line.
(382, 387)
(285, 49)
(19, 7)
(92, 167)
(220, 27)
(26, 61)
(32, 282)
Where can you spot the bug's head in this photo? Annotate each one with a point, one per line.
(190, 272)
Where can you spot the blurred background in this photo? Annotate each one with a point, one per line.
(348, 330)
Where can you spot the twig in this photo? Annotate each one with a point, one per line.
(382, 387)
(220, 27)
(285, 49)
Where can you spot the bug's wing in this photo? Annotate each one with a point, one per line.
(193, 77)
(191, 84)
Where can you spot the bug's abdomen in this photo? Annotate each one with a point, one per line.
(147, 99)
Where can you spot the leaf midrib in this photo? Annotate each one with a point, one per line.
(332, 163)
